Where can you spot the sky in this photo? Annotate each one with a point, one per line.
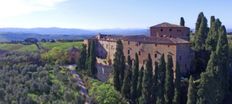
(109, 14)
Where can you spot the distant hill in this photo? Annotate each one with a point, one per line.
(72, 31)
(17, 34)
(229, 30)
(47, 31)
(124, 31)
(7, 37)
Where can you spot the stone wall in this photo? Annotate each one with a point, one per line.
(185, 56)
(143, 49)
(104, 72)
(181, 53)
(106, 50)
(180, 32)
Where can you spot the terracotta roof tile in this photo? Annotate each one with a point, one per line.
(144, 39)
(147, 39)
(166, 24)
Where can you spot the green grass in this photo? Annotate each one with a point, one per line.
(32, 48)
(62, 45)
(18, 47)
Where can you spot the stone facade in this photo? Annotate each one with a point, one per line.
(165, 38)
(170, 30)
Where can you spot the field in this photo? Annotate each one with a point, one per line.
(18, 47)
(62, 45)
(32, 48)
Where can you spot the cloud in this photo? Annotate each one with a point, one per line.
(9, 8)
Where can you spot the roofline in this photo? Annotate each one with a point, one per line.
(144, 41)
(170, 27)
(174, 26)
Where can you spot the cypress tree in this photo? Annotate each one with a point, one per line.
(118, 66)
(176, 99)
(214, 81)
(127, 80)
(199, 20)
(160, 76)
(83, 56)
(201, 35)
(92, 60)
(154, 84)
(182, 22)
(88, 54)
(199, 38)
(223, 49)
(147, 82)
(206, 89)
(230, 69)
(210, 86)
(89, 46)
(211, 41)
(218, 24)
(140, 81)
(135, 79)
(222, 76)
(169, 86)
(191, 92)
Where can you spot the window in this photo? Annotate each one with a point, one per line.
(155, 55)
(139, 53)
(138, 43)
(128, 51)
(179, 57)
(161, 30)
(128, 42)
(178, 30)
(168, 45)
(170, 29)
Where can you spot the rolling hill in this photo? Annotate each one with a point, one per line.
(18, 34)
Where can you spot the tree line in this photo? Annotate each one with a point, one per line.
(87, 60)
(211, 49)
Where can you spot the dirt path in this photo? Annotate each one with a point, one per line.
(79, 82)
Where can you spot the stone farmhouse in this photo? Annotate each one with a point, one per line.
(164, 38)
